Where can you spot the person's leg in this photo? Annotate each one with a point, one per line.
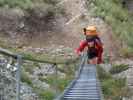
(93, 61)
(88, 61)
(92, 58)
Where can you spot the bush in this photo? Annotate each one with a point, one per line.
(60, 82)
(118, 68)
(24, 4)
(102, 74)
(126, 52)
(50, 1)
(46, 95)
(116, 16)
(113, 88)
(25, 78)
(17, 3)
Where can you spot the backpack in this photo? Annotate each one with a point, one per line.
(95, 41)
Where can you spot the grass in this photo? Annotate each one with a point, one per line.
(113, 88)
(44, 94)
(57, 83)
(103, 75)
(25, 77)
(28, 67)
(51, 1)
(126, 52)
(118, 68)
(42, 57)
(25, 4)
(118, 18)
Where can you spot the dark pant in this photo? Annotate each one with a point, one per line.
(92, 53)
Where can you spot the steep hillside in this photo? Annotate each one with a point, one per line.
(40, 23)
(44, 29)
(119, 19)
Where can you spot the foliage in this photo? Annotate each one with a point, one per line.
(46, 95)
(25, 4)
(60, 83)
(118, 17)
(113, 88)
(25, 78)
(50, 1)
(17, 3)
(118, 68)
(102, 74)
(126, 52)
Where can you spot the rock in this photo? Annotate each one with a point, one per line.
(43, 70)
(27, 93)
(39, 84)
(8, 83)
(61, 75)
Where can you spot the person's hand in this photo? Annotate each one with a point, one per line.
(78, 53)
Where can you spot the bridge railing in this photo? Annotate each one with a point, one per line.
(10, 72)
(99, 85)
(77, 73)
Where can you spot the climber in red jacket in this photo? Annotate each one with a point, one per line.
(94, 44)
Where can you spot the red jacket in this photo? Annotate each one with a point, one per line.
(99, 47)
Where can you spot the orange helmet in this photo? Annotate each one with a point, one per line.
(91, 30)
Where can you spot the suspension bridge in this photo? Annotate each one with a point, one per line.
(85, 86)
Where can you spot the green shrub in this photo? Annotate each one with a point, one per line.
(106, 58)
(25, 78)
(50, 1)
(46, 95)
(102, 74)
(116, 16)
(118, 68)
(126, 52)
(60, 83)
(24, 4)
(113, 88)
(17, 3)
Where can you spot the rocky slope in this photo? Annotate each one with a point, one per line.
(38, 31)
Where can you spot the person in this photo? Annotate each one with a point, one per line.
(94, 44)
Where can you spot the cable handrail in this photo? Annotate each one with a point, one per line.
(20, 58)
(9, 53)
(83, 58)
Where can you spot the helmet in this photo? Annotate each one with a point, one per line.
(92, 30)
